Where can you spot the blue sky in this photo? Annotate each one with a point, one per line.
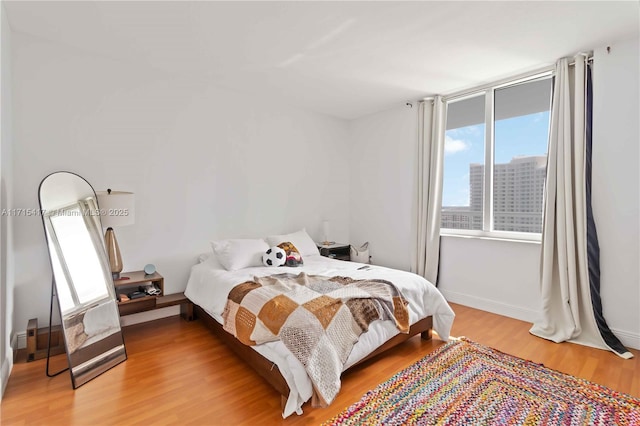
(522, 135)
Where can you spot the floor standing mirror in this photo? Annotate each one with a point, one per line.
(82, 283)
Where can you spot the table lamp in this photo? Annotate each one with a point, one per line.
(325, 233)
(116, 209)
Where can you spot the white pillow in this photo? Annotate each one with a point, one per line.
(236, 254)
(303, 242)
(211, 259)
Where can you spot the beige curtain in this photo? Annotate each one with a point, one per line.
(426, 254)
(569, 275)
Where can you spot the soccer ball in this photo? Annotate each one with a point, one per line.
(275, 256)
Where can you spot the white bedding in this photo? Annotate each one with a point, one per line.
(209, 284)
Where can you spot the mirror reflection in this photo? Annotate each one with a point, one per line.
(83, 285)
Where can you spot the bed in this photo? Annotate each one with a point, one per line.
(91, 325)
(210, 283)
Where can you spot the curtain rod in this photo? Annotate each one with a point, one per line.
(469, 92)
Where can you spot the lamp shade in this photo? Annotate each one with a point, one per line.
(117, 208)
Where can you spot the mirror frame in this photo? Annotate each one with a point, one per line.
(96, 354)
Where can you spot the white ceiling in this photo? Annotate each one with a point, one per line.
(345, 59)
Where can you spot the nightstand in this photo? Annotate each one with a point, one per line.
(338, 251)
(130, 281)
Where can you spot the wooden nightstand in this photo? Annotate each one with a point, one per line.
(338, 251)
(130, 281)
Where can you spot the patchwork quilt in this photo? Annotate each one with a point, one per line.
(318, 319)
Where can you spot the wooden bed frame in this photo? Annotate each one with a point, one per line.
(270, 371)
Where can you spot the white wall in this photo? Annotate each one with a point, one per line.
(502, 276)
(616, 184)
(494, 275)
(6, 202)
(383, 175)
(204, 163)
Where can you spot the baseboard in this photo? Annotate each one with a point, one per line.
(5, 371)
(505, 309)
(21, 337)
(629, 339)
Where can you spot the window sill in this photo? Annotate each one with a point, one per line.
(514, 237)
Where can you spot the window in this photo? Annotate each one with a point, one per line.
(495, 155)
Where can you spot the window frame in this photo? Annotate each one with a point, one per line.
(488, 91)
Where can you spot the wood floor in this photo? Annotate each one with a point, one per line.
(179, 373)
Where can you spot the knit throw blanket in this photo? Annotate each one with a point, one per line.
(318, 319)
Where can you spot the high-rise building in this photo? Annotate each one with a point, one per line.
(518, 190)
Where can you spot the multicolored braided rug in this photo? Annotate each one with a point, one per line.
(465, 383)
